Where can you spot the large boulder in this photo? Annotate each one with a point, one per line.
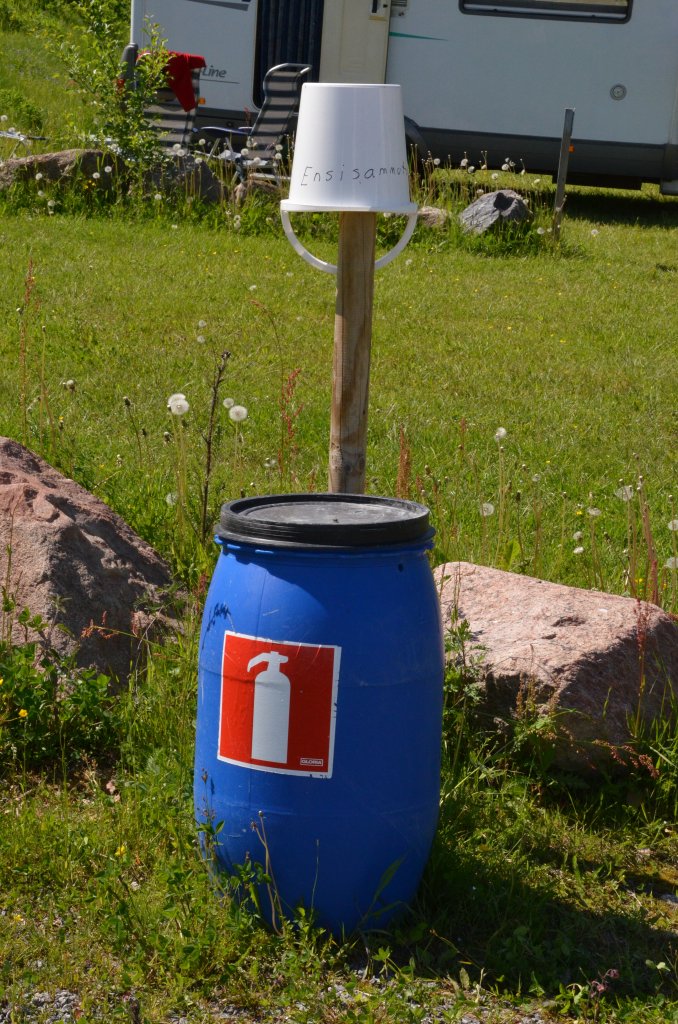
(185, 174)
(597, 663)
(66, 556)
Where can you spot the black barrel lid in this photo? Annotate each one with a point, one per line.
(324, 521)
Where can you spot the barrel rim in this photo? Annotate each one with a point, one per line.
(373, 528)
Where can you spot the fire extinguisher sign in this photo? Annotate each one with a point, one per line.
(278, 705)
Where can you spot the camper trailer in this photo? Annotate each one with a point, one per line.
(478, 77)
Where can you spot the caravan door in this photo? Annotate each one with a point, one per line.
(355, 41)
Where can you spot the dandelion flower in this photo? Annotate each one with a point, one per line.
(23, 713)
(625, 493)
(673, 525)
(486, 509)
(177, 404)
(578, 551)
(121, 851)
(229, 403)
(238, 413)
(500, 433)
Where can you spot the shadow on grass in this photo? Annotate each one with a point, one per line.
(520, 933)
(622, 208)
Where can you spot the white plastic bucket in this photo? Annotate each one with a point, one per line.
(350, 152)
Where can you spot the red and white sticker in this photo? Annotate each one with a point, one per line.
(278, 705)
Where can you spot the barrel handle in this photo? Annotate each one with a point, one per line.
(330, 268)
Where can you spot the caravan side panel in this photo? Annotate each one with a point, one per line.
(487, 81)
(223, 32)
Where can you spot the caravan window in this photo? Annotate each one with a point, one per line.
(581, 10)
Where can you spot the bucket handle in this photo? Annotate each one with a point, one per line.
(330, 268)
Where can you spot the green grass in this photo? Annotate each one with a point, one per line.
(539, 884)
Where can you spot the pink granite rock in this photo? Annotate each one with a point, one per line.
(597, 660)
(66, 556)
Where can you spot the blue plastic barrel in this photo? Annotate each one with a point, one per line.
(320, 703)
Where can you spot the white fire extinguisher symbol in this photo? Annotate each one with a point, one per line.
(271, 717)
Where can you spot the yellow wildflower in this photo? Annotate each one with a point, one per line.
(23, 713)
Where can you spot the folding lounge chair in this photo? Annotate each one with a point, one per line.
(260, 154)
(168, 113)
(20, 139)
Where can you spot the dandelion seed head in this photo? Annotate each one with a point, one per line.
(39, 176)
(108, 169)
(253, 288)
(229, 403)
(625, 492)
(541, 231)
(157, 197)
(177, 404)
(594, 512)
(578, 551)
(671, 563)
(577, 535)
(171, 498)
(500, 433)
(486, 509)
(436, 162)
(673, 525)
(40, 193)
(96, 176)
(594, 232)
(237, 413)
(202, 323)
(495, 176)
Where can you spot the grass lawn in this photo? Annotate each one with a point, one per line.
(533, 389)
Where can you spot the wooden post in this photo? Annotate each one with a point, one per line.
(352, 341)
(565, 150)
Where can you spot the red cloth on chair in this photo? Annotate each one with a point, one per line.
(179, 68)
